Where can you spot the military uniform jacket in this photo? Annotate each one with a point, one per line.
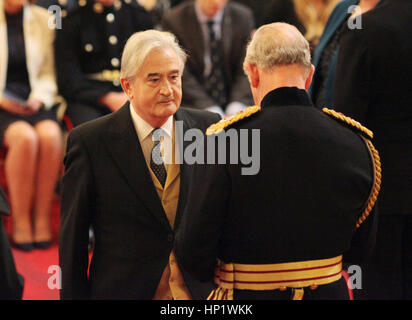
(314, 179)
(91, 40)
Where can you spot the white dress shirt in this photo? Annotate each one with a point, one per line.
(144, 133)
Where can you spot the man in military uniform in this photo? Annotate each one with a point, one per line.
(88, 50)
(284, 232)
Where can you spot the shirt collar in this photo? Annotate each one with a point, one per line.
(285, 96)
(203, 19)
(144, 129)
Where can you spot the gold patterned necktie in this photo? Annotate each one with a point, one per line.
(215, 83)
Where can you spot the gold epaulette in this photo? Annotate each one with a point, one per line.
(219, 126)
(350, 121)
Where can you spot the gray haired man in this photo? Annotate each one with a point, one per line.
(113, 184)
(283, 232)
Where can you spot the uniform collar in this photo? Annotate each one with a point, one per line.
(286, 96)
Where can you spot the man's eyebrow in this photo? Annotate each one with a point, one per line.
(153, 75)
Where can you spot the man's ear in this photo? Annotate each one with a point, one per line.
(309, 77)
(126, 86)
(254, 77)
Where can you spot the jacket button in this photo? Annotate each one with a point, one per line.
(170, 237)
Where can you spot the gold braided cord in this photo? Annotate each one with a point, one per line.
(349, 121)
(377, 178)
(219, 126)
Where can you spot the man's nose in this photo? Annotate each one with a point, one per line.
(166, 88)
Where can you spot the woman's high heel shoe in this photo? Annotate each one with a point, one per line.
(25, 246)
(42, 245)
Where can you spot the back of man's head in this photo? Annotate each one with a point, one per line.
(278, 44)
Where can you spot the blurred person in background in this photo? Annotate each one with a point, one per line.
(88, 50)
(326, 54)
(28, 122)
(215, 34)
(373, 86)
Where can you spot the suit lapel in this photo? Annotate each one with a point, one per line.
(123, 145)
(227, 34)
(195, 36)
(184, 123)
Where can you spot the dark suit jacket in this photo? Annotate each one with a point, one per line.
(373, 85)
(315, 177)
(334, 23)
(238, 24)
(107, 185)
(11, 283)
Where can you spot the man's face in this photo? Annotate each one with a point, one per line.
(156, 90)
(211, 7)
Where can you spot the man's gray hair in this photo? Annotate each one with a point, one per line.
(140, 44)
(277, 44)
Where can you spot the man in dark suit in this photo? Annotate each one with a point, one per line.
(88, 49)
(11, 283)
(123, 184)
(215, 34)
(281, 233)
(373, 86)
(325, 56)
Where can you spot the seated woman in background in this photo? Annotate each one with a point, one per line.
(28, 124)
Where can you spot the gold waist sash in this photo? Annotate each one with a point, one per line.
(297, 275)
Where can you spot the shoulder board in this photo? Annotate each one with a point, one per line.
(222, 124)
(355, 124)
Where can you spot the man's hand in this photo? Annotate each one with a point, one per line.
(114, 100)
(34, 104)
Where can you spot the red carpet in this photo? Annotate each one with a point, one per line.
(34, 265)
